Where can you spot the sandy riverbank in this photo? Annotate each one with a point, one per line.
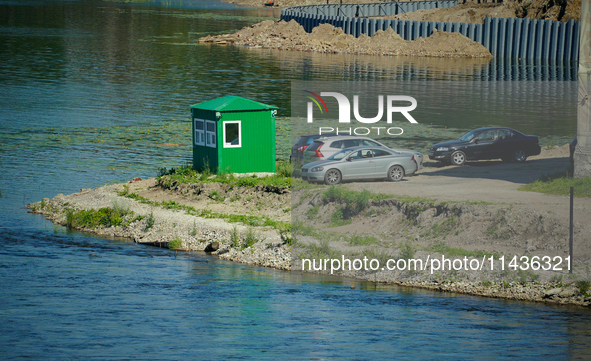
(325, 38)
(520, 227)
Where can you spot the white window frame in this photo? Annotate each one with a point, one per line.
(210, 137)
(199, 133)
(230, 145)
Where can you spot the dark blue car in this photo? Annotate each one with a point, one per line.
(487, 143)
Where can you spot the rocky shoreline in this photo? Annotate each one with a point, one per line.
(158, 221)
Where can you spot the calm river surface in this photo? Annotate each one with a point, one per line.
(93, 92)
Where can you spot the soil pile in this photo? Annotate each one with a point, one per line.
(327, 39)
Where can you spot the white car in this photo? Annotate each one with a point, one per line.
(322, 148)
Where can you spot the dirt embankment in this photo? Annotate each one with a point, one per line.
(558, 10)
(467, 11)
(325, 38)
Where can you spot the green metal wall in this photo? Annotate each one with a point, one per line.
(203, 156)
(257, 153)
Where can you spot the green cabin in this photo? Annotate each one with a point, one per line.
(234, 134)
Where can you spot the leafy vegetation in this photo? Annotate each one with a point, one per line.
(94, 218)
(175, 243)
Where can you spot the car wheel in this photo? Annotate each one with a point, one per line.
(519, 156)
(458, 157)
(332, 176)
(395, 173)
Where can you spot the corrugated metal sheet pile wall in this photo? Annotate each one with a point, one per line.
(504, 38)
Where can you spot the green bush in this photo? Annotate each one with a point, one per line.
(175, 243)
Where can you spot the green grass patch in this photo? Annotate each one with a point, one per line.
(94, 218)
(357, 240)
(175, 243)
(186, 174)
(559, 184)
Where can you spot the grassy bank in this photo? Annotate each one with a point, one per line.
(186, 174)
(559, 184)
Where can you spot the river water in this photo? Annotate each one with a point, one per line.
(94, 92)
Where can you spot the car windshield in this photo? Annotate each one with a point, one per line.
(468, 136)
(340, 155)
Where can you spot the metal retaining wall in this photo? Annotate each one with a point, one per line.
(504, 38)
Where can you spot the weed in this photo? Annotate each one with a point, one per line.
(215, 196)
(175, 243)
(284, 233)
(443, 229)
(125, 191)
(357, 240)
(194, 231)
(150, 221)
(486, 283)
(234, 238)
(312, 213)
(583, 286)
(506, 284)
(250, 238)
(107, 217)
(557, 280)
(284, 169)
(407, 251)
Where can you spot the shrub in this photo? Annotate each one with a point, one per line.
(175, 243)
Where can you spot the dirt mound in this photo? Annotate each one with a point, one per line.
(559, 10)
(327, 39)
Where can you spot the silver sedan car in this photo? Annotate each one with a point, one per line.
(361, 163)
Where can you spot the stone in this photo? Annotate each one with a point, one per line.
(552, 292)
(566, 293)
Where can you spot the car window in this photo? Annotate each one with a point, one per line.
(303, 140)
(314, 146)
(370, 143)
(338, 144)
(504, 134)
(468, 136)
(380, 153)
(351, 143)
(486, 135)
(339, 155)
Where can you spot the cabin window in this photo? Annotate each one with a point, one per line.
(232, 134)
(199, 131)
(210, 139)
